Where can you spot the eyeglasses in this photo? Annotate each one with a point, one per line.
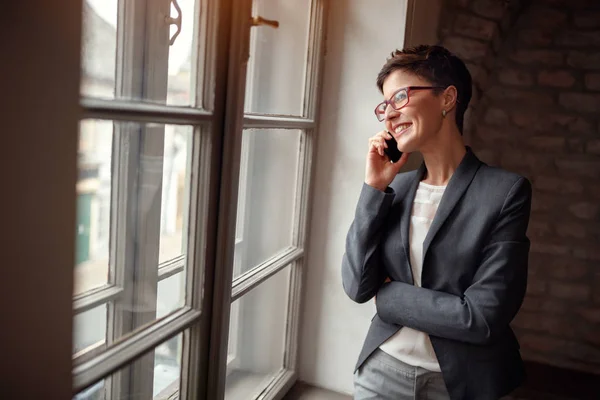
(399, 99)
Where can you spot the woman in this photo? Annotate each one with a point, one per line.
(443, 249)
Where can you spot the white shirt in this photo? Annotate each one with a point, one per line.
(408, 345)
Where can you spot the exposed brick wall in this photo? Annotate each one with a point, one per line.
(537, 112)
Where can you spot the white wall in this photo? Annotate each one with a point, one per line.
(361, 35)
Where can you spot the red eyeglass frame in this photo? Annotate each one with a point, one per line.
(408, 89)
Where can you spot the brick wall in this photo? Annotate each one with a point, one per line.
(537, 112)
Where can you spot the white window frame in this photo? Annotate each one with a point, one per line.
(293, 256)
(216, 148)
(91, 367)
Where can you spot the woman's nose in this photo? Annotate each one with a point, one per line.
(390, 112)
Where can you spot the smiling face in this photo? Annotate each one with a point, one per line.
(416, 125)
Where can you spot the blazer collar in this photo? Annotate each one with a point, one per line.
(458, 184)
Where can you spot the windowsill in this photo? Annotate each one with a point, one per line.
(243, 384)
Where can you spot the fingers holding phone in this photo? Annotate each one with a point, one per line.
(384, 160)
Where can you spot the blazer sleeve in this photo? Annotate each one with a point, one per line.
(362, 272)
(494, 297)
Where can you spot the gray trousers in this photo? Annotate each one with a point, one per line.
(383, 377)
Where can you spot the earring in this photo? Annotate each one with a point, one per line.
(444, 113)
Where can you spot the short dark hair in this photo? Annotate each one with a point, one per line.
(438, 66)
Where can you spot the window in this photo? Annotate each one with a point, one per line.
(156, 246)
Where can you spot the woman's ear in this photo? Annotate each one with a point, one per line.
(450, 97)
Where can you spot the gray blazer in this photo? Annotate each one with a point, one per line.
(474, 275)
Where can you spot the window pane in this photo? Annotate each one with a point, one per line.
(175, 191)
(258, 331)
(278, 57)
(171, 294)
(99, 48)
(180, 55)
(267, 195)
(89, 329)
(161, 368)
(93, 205)
(149, 68)
(136, 179)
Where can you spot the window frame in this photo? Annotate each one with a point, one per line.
(293, 256)
(100, 365)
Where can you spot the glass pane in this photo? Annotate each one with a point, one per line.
(136, 179)
(175, 187)
(278, 57)
(179, 90)
(257, 331)
(99, 48)
(161, 372)
(152, 69)
(267, 194)
(89, 329)
(93, 205)
(167, 368)
(171, 294)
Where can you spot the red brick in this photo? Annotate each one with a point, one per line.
(590, 314)
(496, 116)
(541, 342)
(546, 18)
(587, 19)
(582, 351)
(589, 253)
(492, 9)
(569, 4)
(537, 57)
(554, 306)
(585, 210)
(572, 38)
(584, 60)
(575, 145)
(519, 96)
(579, 166)
(539, 229)
(594, 190)
(567, 271)
(582, 126)
(466, 49)
(547, 143)
(518, 160)
(475, 27)
(479, 75)
(592, 81)
(570, 291)
(562, 79)
(534, 37)
(536, 288)
(515, 77)
(582, 102)
(557, 185)
(571, 230)
(553, 324)
(547, 248)
(593, 146)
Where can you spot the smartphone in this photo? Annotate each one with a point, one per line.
(392, 150)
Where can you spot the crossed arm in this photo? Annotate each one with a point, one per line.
(486, 307)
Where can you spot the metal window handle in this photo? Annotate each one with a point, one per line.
(174, 21)
(258, 21)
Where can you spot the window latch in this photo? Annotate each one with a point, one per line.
(174, 21)
(258, 21)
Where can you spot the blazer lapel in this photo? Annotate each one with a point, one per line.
(458, 184)
(407, 202)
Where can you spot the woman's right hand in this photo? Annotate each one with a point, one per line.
(380, 172)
